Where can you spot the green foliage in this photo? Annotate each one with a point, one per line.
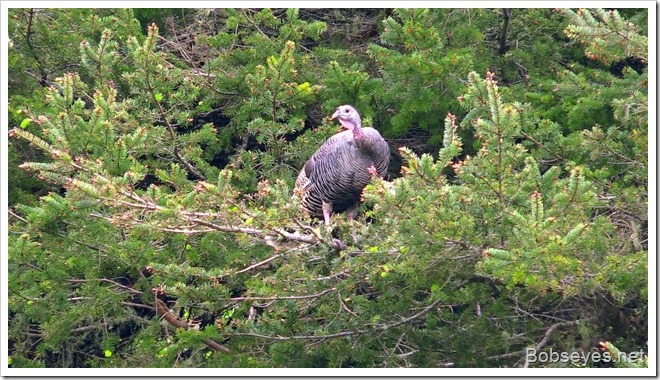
(152, 221)
(421, 66)
(623, 360)
(606, 35)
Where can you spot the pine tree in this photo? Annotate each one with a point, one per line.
(169, 235)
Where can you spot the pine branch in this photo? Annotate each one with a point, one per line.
(606, 37)
(153, 31)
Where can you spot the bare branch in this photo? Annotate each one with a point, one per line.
(139, 305)
(216, 346)
(163, 311)
(259, 264)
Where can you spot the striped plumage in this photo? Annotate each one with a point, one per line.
(332, 180)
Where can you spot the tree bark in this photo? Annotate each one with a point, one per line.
(504, 47)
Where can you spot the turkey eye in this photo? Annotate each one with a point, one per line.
(345, 110)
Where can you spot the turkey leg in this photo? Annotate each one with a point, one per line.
(327, 209)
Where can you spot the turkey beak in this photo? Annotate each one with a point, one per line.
(336, 115)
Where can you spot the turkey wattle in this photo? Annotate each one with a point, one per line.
(332, 180)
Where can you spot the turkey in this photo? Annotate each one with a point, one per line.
(332, 180)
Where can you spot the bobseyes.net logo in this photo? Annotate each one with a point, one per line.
(582, 358)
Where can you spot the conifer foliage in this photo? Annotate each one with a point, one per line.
(151, 217)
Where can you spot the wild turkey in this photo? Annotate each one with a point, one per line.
(332, 180)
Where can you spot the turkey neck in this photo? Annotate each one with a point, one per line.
(357, 132)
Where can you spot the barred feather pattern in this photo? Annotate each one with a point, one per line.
(338, 171)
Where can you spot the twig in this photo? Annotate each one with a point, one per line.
(342, 273)
(277, 298)
(303, 337)
(76, 330)
(345, 333)
(217, 227)
(140, 305)
(335, 243)
(259, 264)
(406, 320)
(542, 146)
(343, 306)
(15, 215)
(116, 284)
